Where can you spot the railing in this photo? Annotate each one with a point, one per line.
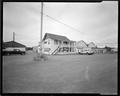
(64, 45)
(52, 50)
(55, 51)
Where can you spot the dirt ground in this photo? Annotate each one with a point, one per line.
(60, 74)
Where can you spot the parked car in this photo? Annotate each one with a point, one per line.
(85, 51)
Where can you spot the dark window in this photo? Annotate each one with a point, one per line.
(48, 41)
(60, 42)
(45, 42)
(65, 42)
(55, 42)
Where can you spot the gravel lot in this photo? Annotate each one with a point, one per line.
(60, 74)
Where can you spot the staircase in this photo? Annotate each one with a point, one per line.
(55, 51)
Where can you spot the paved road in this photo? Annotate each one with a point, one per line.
(60, 74)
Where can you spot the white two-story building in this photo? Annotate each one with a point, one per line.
(54, 44)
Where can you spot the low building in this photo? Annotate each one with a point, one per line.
(114, 50)
(97, 50)
(111, 49)
(80, 46)
(12, 45)
(83, 47)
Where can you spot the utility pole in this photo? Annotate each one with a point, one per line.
(40, 47)
(41, 23)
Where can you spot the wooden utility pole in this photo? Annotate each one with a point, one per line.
(40, 47)
(41, 23)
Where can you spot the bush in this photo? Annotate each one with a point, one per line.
(40, 57)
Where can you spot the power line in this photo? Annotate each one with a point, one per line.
(70, 26)
(62, 23)
(106, 43)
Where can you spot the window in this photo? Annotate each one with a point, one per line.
(60, 42)
(56, 42)
(45, 42)
(65, 42)
(48, 41)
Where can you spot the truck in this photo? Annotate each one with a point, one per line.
(11, 51)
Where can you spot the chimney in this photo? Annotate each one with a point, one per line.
(13, 36)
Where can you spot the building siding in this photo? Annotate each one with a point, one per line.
(50, 47)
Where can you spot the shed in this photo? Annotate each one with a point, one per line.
(13, 45)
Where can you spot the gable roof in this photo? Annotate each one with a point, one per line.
(81, 44)
(55, 37)
(72, 41)
(91, 44)
(12, 44)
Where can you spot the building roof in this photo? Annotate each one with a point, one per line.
(81, 44)
(55, 37)
(98, 48)
(72, 41)
(91, 45)
(12, 44)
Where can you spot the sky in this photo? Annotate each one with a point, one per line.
(91, 22)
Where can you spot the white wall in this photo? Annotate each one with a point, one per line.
(12, 48)
(51, 45)
(54, 46)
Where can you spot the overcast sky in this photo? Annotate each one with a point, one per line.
(91, 22)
